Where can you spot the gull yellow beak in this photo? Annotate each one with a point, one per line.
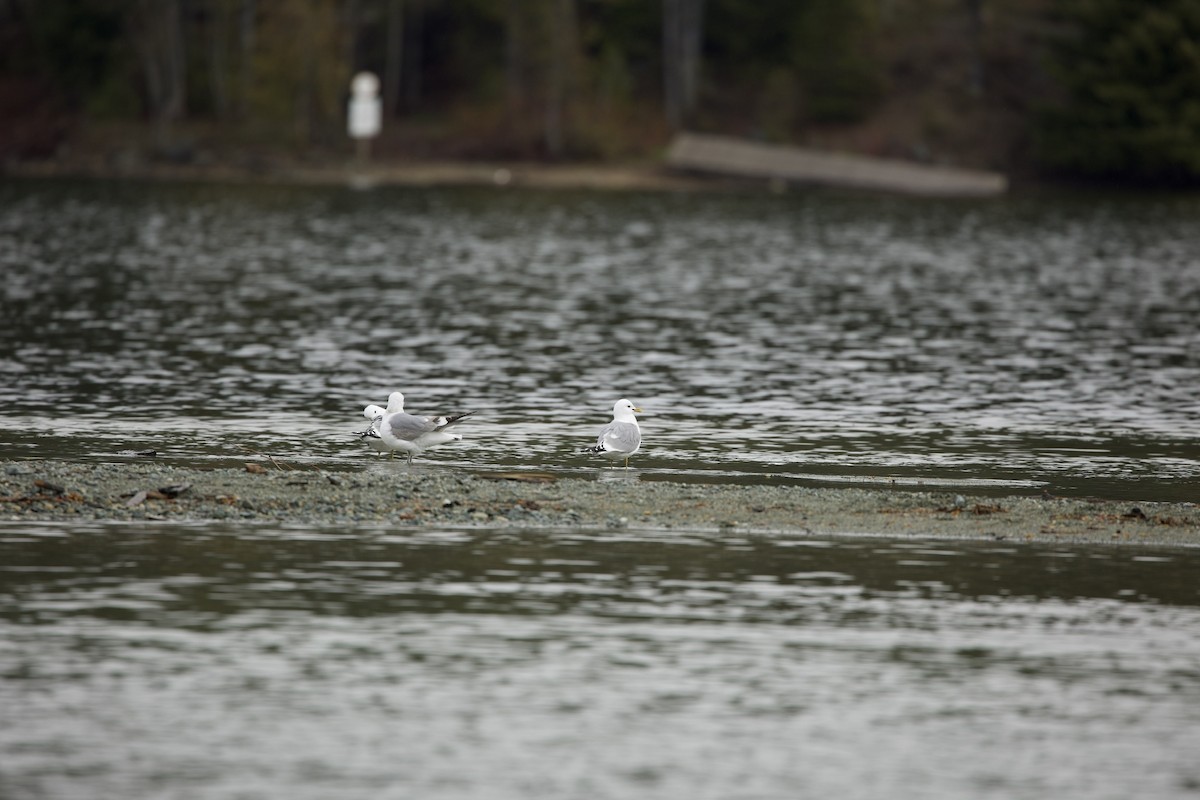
(638, 410)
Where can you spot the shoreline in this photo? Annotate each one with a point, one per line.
(262, 493)
(374, 174)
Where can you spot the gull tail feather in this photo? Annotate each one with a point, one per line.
(450, 419)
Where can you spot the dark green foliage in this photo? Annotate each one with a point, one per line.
(823, 51)
(1132, 78)
(833, 50)
(523, 78)
(74, 44)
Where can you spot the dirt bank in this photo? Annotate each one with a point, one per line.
(604, 177)
(401, 496)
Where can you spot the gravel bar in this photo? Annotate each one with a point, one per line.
(265, 493)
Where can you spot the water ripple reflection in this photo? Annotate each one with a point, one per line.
(138, 661)
(1038, 339)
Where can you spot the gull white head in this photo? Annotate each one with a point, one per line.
(623, 411)
(395, 403)
(373, 412)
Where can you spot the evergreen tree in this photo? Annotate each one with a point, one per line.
(1131, 74)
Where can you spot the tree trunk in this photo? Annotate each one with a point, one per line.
(413, 54)
(514, 72)
(690, 41)
(247, 28)
(672, 96)
(560, 78)
(218, 58)
(158, 38)
(977, 77)
(393, 57)
(306, 88)
(683, 33)
(556, 78)
(351, 45)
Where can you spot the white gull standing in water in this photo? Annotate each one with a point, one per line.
(622, 437)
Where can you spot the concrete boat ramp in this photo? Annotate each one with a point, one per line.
(738, 158)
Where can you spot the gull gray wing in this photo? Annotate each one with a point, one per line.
(407, 427)
(619, 437)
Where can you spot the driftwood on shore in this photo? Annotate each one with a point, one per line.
(721, 155)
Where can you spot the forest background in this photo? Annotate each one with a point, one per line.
(1081, 89)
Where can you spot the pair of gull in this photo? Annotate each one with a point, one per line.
(393, 430)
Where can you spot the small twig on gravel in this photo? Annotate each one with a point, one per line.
(333, 479)
(281, 465)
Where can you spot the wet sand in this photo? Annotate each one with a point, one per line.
(263, 492)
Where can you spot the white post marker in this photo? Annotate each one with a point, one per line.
(365, 114)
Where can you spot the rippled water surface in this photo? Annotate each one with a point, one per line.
(1006, 346)
(1018, 343)
(220, 662)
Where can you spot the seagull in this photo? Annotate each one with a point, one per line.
(372, 438)
(622, 437)
(375, 414)
(396, 430)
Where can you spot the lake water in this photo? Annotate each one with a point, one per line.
(1009, 346)
(236, 662)
(1006, 345)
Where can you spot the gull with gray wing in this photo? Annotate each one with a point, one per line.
(376, 414)
(394, 430)
(622, 437)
